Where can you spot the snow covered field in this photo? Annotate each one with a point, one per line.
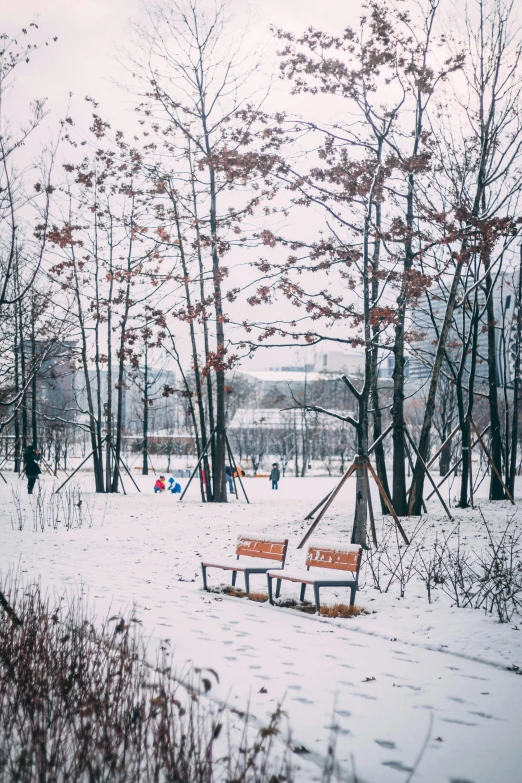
(406, 674)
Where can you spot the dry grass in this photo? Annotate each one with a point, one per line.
(79, 702)
(291, 603)
(233, 591)
(261, 598)
(337, 610)
(341, 610)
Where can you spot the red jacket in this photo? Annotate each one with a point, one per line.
(160, 484)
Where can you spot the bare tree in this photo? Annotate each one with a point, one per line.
(194, 78)
(485, 180)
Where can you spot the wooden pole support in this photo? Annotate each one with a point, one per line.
(486, 452)
(388, 503)
(428, 474)
(203, 452)
(233, 463)
(78, 468)
(328, 503)
(370, 504)
(470, 466)
(312, 512)
(453, 467)
(450, 437)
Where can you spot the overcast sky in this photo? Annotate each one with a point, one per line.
(83, 60)
(89, 32)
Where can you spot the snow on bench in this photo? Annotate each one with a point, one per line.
(251, 549)
(330, 563)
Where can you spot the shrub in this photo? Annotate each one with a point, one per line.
(79, 703)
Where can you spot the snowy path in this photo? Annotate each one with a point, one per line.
(383, 722)
(321, 671)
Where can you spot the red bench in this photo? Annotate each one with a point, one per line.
(330, 563)
(251, 549)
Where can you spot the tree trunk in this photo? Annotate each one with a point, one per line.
(496, 490)
(18, 387)
(516, 385)
(380, 459)
(465, 418)
(206, 486)
(34, 431)
(108, 409)
(360, 524)
(98, 478)
(218, 464)
(23, 378)
(119, 407)
(206, 341)
(145, 465)
(121, 385)
(96, 303)
(399, 449)
(417, 486)
(464, 434)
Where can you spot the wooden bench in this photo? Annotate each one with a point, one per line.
(332, 566)
(251, 549)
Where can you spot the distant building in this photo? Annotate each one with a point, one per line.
(423, 349)
(55, 378)
(273, 420)
(132, 393)
(280, 380)
(327, 367)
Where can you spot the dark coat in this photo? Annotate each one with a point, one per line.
(275, 475)
(32, 468)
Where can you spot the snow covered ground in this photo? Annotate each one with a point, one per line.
(386, 683)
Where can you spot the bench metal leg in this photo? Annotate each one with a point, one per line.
(278, 588)
(247, 583)
(270, 596)
(353, 590)
(302, 593)
(234, 574)
(204, 572)
(316, 596)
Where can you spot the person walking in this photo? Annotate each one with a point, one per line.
(31, 467)
(275, 475)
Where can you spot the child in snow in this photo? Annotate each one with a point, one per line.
(275, 475)
(159, 486)
(230, 481)
(174, 487)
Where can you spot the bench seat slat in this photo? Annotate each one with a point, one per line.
(231, 564)
(315, 575)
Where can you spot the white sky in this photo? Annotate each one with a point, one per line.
(89, 32)
(83, 62)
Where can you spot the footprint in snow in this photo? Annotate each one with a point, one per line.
(388, 744)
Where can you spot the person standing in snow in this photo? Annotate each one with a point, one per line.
(31, 467)
(275, 475)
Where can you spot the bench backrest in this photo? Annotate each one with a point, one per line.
(344, 558)
(269, 549)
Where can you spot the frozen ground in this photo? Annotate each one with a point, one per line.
(440, 673)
